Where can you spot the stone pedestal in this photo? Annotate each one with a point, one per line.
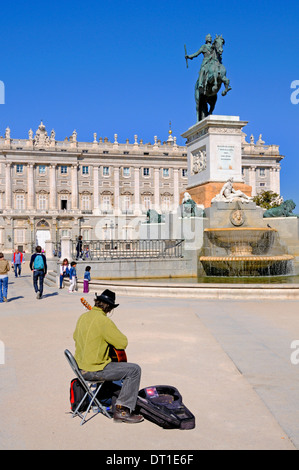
(66, 248)
(49, 248)
(214, 154)
(221, 214)
(204, 193)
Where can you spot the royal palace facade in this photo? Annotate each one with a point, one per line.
(100, 189)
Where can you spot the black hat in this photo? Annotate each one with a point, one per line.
(108, 297)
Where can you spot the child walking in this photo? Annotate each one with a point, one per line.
(86, 280)
(73, 277)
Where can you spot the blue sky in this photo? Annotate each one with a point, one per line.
(118, 67)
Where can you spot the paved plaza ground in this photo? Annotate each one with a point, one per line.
(230, 361)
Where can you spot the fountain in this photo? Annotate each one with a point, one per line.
(244, 251)
(245, 247)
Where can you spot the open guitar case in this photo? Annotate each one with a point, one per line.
(163, 405)
(160, 404)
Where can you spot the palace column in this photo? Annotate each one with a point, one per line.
(275, 180)
(30, 186)
(8, 186)
(156, 188)
(116, 190)
(53, 188)
(176, 196)
(74, 170)
(137, 209)
(252, 180)
(96, 189)
(271, 180)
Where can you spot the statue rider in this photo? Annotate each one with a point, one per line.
(207, 51)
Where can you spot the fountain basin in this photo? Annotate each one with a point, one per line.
(247, 265)
(248, 251)
(242, 241)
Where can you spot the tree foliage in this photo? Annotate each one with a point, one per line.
(267, 199)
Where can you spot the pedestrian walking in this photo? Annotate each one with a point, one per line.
(16, 262)
(86, 280)
(4, 268)
(79, 247)
(38, 264)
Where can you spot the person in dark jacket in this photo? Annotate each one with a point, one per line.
(79, 247)
(38, 264)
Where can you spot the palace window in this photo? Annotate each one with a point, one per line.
(106, 202)
(126, 203)
(63, 169)
(19, 235)
(20, 201)
(86, 234)
(262, 172)
(65, 233)
(147, 202)
(165, 172)
(42, 169)
(85, 202)
(42, 202)
(166, 203)
(146, 171)
(85, 170)
(19, 169)
(126, 171)
(184, 172)
(63, 203)
(106, 171)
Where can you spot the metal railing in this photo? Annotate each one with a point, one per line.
(56, 249)
(127, 249)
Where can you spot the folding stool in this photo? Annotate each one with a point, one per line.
(87, 385)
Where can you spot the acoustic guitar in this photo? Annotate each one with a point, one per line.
(116, 355)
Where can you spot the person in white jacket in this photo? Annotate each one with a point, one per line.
(64, 271)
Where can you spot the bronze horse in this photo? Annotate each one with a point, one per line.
(214, 76)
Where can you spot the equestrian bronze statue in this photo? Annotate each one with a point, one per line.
(212, 75)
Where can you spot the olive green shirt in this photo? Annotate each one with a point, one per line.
(94, 334)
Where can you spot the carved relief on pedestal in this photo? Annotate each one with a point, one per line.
(198, 160)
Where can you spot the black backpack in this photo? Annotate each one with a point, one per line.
(77, 392)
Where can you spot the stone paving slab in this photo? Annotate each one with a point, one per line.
(175, 341)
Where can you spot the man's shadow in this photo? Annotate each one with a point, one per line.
(50, 295)
(15, 298)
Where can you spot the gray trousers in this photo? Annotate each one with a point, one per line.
(128, 372)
